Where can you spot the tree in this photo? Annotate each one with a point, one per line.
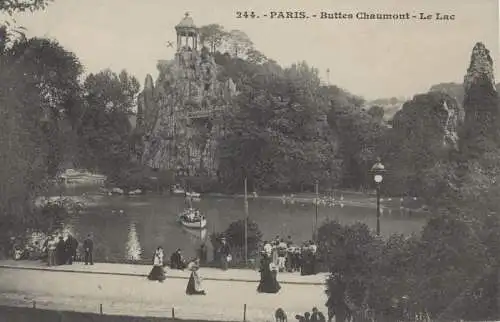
(277, 132)
(56, 72)
(11, 7)
(39, 85)
(212, 35)
(105, 129)
(235, 235)
(256, 57)
(350, 253)
(359, 134)
(377, 112)
(238, 43)
(451, 257)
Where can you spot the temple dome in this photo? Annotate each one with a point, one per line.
(186, 23)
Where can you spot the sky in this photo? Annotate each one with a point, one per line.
(373, 59)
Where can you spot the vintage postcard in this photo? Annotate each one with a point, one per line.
(279, 160)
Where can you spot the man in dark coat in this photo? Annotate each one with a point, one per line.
(60, 252)
(88, 248)
(176, 261)
(71, 246)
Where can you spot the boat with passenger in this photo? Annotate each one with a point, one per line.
(192, 218)
(193, 194)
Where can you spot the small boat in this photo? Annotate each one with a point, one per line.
(193, 194)
(191, 218)
(178, 190)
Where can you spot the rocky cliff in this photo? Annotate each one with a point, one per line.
(482, 119)
(481, 66)
(180, 116)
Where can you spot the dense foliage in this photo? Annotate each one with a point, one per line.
(442, 273)
(235, 236)
(288, 130)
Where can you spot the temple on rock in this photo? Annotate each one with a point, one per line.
(180, 115)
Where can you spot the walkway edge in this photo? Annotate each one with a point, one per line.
(145, 275)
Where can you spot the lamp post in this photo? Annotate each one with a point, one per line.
(377, 170)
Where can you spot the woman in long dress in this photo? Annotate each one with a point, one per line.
(194, 283)
(268, 273)
(157, 273)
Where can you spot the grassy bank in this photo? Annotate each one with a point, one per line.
(21, 314)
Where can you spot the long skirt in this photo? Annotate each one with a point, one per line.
(157, 274)
(194, 285)
(268, 283)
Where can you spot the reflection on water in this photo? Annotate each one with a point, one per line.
(134, 250)
(196, 235)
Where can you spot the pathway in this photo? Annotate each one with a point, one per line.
(122, 289)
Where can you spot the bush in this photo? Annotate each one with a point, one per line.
(448, 271)
(235, 236)
(350, 253)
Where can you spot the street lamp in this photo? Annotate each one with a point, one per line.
(378, 170)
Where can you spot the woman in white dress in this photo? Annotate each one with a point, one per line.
(194, 284)
(157, 273)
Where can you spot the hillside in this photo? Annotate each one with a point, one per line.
(394, 104)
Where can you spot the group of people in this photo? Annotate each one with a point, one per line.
(56, 250)
(157, 273)
(315, 316)
(59, 251)
(287, 256)
(193, 215)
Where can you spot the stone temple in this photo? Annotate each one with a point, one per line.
(180, 116)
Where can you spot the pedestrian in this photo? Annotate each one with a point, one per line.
(317, 316)
(157, 273)
(268, 248)
(225, 254)
(282, 252)
(268, 277)
(280, 315)
(51, 251)
(71, 246)
(88, 248)
(60, 252)
(194, 284)
(176, 260)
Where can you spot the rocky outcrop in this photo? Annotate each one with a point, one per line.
(180, 115)
(481, 66)
(434, 115)
(482, 119)
(451, 114)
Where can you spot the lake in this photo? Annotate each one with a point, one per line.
(131, 227)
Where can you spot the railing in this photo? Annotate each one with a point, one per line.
(53, 312)
(105, 313)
